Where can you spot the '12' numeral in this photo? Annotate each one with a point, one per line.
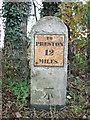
(49, 52)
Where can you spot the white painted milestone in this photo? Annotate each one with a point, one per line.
(49, 49)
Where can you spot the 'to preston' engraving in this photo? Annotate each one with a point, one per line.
(49, 50)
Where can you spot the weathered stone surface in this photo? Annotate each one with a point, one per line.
(48, 84)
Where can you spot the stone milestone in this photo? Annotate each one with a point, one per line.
(49, 49)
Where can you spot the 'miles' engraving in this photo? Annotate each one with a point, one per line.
(49, 50)
(47, 61)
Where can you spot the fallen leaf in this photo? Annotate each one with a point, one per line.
(84, 117)
(18, 115)
(69, 97)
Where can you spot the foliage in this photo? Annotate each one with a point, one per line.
(14, 14)
(15, 41)
(77, 97)
(20, 89)
(74, 15)
(49, 9)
